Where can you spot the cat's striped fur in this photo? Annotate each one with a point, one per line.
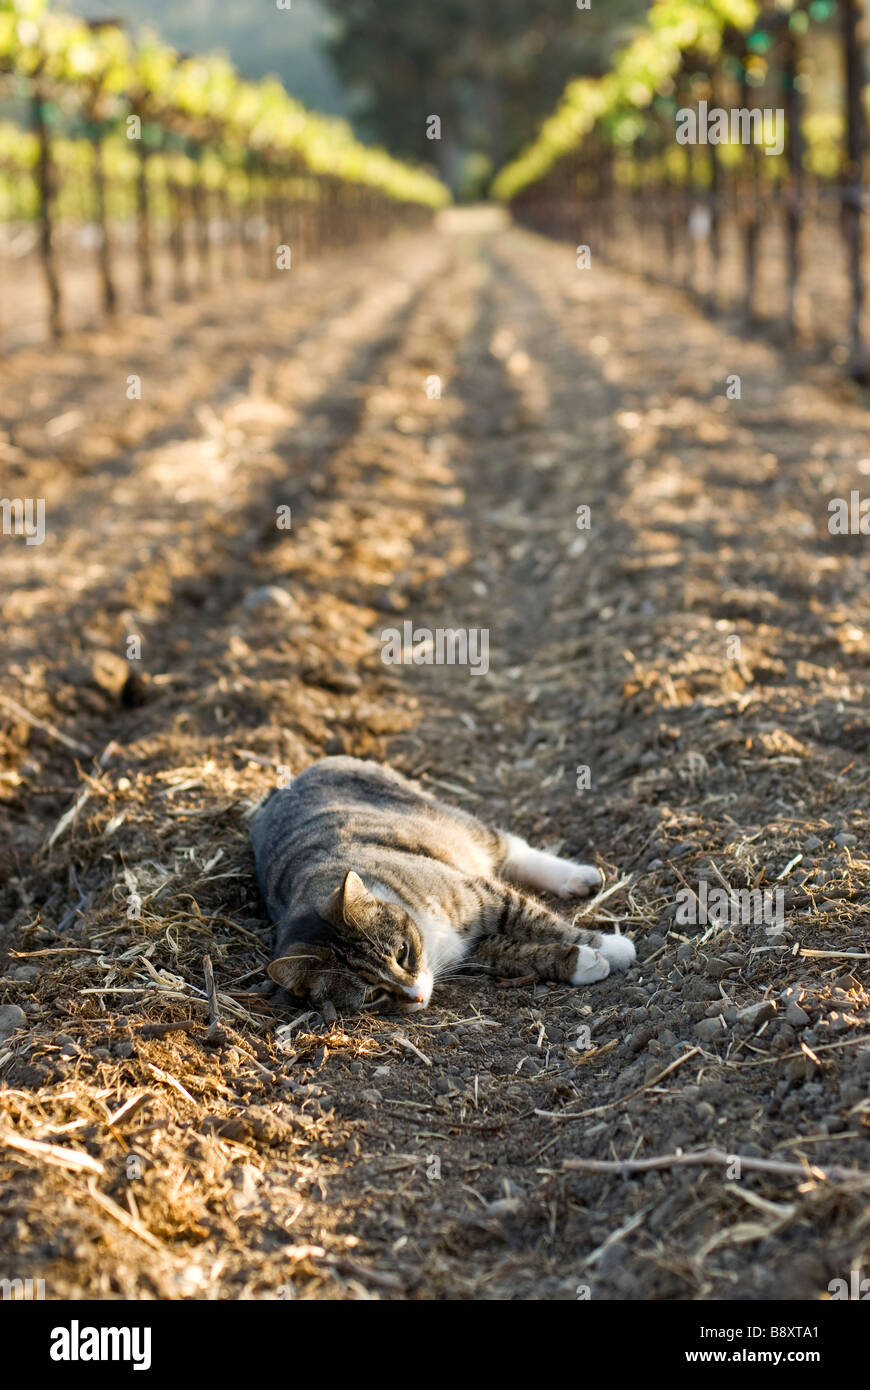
(377, 888)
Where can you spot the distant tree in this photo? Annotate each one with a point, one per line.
(489, 70)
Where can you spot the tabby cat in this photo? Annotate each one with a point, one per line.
(378, 888)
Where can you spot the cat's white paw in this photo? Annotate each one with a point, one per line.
(575, 880)
(591, 965)
(618, 950)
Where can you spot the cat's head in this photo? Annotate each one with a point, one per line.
(357, 951)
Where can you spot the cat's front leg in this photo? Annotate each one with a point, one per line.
(549, 960)
(525, 925)
(547, 872)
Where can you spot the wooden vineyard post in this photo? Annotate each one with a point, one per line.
(279, 232)
(264, 230)
(637, 257)
(751, 222)
(662, 194)
(45, 181)
(110, 296)
(199, 194)
(688, 240)
(226, 219)
(714, 205)
(669, 240)
(685, 242)
(851, 14)
(249, 222)
(608, 185)
(794, 191)
(143, 229)
(176, 194)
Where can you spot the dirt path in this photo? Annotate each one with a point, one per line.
(319, 1160)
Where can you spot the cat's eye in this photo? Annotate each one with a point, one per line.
(402, 954)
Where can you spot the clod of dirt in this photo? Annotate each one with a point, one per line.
(11, 1019)
(270, 596)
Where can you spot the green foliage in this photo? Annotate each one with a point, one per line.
(94, 78)
(621, 104)
(261, 39)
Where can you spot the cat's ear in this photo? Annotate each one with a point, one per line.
(294, 972)
(356, 900)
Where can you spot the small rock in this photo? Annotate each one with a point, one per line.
(11, 1019)
(840, 1023)
(710, 1029)
(812, 842)
(717, 968)
(270, 594)
(613, 1257)
(389, 600)
(795, 1015)
(755, 1014)
(24, 973)
(833, 1124)
(702, 989)
(844, 839)
(372, 1096)
(640, 1038)
(228, 1127)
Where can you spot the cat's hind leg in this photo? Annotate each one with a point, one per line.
(547, 872)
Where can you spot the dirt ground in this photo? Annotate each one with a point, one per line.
(701, 648)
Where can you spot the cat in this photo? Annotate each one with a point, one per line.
(377, 889)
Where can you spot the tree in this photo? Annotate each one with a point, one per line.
(490, 72)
